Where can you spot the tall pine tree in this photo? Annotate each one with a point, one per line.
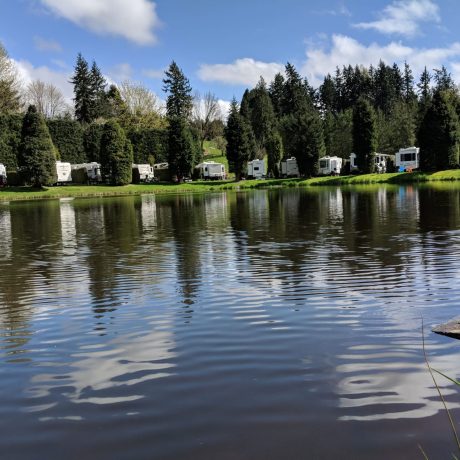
(364, 135)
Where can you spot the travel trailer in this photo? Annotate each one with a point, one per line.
(92, 173)
(256, 169)
(330, 166)
(143, 173)
(161, 171)
(289, 167)
(64, 172)
(382, 162)
(2, 175)
(407, 159)
(210, 170)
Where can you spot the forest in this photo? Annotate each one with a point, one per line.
(357, 109)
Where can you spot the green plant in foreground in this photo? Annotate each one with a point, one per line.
(451, 420)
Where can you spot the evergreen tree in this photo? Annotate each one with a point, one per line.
(424, 87)
(82, 90)
(328, 95)
(240, 141)
(438, 135)
(179, 103)
(296, 97)
(303, 139)
(443, 80)
(276, 91)
(184, 149)
(183, 146)
(116, 155)
(408, 84)
(99, 102)
(37, 153)
(92, 141)
(275, 153)
(364, 135)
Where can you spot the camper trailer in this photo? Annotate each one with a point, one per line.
(2, 175)
(161, 171)
(91, 172)
(256, 169)
(330, 166)
(64, 172)
(143, 173)
(382, 162)
(210, 170)
(407, 159)
(289, 168)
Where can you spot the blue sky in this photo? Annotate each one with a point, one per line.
(224, 47)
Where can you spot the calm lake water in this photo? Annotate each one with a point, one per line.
(281, 324)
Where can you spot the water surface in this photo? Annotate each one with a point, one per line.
(254, 325)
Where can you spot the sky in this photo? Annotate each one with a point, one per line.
(225, 46)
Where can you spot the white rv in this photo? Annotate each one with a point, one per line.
(256, 169)
(2, 175)
(145, 172)
(382, 161)
(289, 168)
(330, 166)
(93, 171)
(64, 172)
(210, 170)
(407, 159)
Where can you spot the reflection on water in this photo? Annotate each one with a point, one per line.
(239, 325)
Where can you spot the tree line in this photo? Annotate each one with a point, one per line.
(356, 109)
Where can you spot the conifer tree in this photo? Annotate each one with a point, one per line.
(364, 135)
(276, 91)
(275, 153)
(116, 155)
(81, 81)
(184, 148)
(240, 141)
(438, 135)
(37, 156)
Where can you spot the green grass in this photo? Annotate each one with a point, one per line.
(28, 193)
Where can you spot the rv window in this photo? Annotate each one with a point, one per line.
(256, 168)
(323, 164)
(206, 169)
(408, 156)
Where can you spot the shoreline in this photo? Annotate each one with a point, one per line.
(95, 191)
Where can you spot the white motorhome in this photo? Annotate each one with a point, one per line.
(64, 172)
(408, 159)
(93, 171)
(2, 175)
(330, 166)
(256, 169)
(210, 170)
(289, 167)
(145, 172)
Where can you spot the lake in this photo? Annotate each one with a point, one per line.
(270, 324)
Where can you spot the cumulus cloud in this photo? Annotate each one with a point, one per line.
(42, 44)
(345, 50)
(120, 72)
(403, 17)
(154, 73)
(135, 20)
(28, 73)
(244, 72)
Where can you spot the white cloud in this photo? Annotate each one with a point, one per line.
(60, 79)
(47, 45)
(134, 20)
(153, 73)
(244, 72)
(345, 50)
(224, 108)
(120, 72)
(403, 17)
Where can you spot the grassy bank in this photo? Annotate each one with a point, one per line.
(28, 193)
